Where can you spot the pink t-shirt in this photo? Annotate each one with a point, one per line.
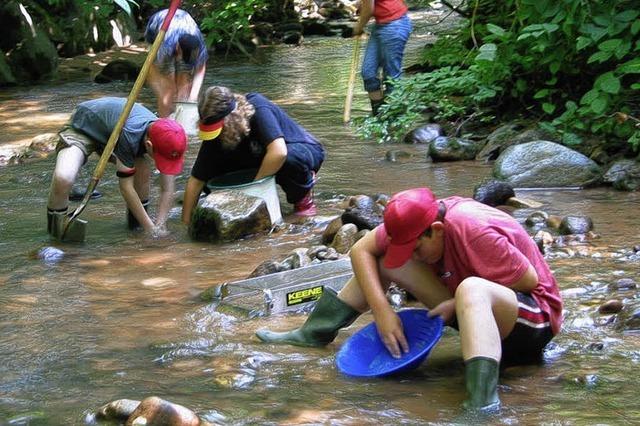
(385, 11)
(480, 241)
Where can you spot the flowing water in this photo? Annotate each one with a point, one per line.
(119, 316)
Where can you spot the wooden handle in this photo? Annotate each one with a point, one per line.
(352, 78)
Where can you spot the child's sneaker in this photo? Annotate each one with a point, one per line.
(306, 206)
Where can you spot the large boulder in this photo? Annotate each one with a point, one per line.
(34, 58)
(424, 134)
(624, 175)
(444, 148)
(493, 193)
(544, 164)
(6, 76)
(508, 135)
(229, 215)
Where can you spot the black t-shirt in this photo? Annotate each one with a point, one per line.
(269, 122)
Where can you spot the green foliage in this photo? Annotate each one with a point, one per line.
(572, 63)
(230, 21)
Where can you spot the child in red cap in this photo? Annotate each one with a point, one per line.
(88, 131)
(470, 263)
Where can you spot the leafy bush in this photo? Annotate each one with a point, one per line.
(571, 63)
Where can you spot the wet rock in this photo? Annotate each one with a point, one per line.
(393, 155)
(629, 318)
(34, 58)
(554, 221)
(316, 27)
(228, 216)
(543, 240)
(118, 69)
(361, 233)
(330, 254)
(611, 306)
(313, 251)
(216, 292)
(154, 411)
(543, 164)
(499, 140)
(345, 238)
(6, 76)
(453, 149)
(118, 410)
(623, 284)
(267, 267)
(537, 218)
(298, 258)
(575, 225)
(361, 202)
(287, 264)
(523, 203)
(293, 37)
(493, 192)
(624, 175)
(45, 143)
(331, 230)
(364, 212)
(383, 199)
(424, 134)
(595, 346)
(50, 255)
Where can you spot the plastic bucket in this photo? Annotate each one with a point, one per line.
(186, 113)
(242, 180)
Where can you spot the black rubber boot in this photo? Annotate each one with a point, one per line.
(55, 222)
(328, 316)
(375, 106)
(481, 380)
(132, 222)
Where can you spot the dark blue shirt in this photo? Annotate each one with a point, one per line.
(269, 123)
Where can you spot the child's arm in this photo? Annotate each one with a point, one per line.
(366, 12)
(167, 190)
(365, 257)
(191, 195)
(273, 159)
(132, 200)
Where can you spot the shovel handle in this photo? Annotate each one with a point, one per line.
(133, 95)
(352, 78)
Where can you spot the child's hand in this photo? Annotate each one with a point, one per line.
(446, 309)
(159, 232)
(391, 332)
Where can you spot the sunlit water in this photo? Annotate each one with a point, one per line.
(120, 317)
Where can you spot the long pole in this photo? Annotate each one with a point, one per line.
(355, 59)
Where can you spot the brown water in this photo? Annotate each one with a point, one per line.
(119, 316)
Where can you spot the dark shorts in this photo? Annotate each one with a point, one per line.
(530, 335)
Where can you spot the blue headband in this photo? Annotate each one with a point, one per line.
(222, 114)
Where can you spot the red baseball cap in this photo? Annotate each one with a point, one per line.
(169, 144)
(407, 215)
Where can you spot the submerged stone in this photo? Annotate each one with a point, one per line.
(229, 215)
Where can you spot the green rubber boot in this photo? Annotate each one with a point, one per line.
(481, 379)
(328, 316)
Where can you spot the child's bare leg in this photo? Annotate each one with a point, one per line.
(164, 87)
(486, 313)
(68, 163)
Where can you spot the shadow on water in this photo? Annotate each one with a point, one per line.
(119, 316)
